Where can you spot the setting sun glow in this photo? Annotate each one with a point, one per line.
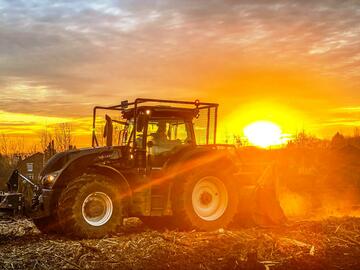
(263, 133)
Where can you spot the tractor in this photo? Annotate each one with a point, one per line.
(153, 159)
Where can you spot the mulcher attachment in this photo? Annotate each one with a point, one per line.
(259, 204)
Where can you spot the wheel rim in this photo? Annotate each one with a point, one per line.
(210, 198)
(97, 209)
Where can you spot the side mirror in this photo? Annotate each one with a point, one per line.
(141, 120)
(108, 130)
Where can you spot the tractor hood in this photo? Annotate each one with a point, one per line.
(60, 160)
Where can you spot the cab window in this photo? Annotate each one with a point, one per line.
(178, 132)
(167, 134)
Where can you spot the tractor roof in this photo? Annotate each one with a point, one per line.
(157, 108)
(163, 111)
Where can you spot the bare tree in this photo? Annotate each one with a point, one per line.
(45, 137)
(4, 144)
(18, 146)
(12, 148)
(12, 145)
(33, 149)
(356, 132)
(63, 135)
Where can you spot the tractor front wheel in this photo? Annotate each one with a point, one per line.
(90, 207)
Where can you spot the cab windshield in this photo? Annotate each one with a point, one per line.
(122, 133)
(121, 130)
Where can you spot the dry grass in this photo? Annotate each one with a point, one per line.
(332, 243)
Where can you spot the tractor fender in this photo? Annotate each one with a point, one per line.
(77, 163)
(116, 176)
(85, 164)
(92, 163)
(73, 168)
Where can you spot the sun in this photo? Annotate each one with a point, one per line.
(263, 134)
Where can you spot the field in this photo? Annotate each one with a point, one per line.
(331, 243)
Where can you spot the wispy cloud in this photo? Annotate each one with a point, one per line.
(71, 54)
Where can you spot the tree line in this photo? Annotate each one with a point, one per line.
(14, 148)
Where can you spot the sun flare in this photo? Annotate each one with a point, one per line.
(263, 134)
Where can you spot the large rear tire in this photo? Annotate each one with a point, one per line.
(91, 206)
(205, 200)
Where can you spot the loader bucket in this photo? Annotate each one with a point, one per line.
(259, 204)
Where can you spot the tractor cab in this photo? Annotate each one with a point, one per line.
(151, 132)
(162, 131)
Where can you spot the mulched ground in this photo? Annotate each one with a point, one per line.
(332, 243)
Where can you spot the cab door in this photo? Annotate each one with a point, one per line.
(164, 137)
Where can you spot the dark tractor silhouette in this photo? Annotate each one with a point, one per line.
(159, 163)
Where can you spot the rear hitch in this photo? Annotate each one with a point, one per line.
(13, 201)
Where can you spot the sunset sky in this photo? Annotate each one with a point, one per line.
(294, 63)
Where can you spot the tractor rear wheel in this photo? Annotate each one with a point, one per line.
(90, 207)
(205, 200)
